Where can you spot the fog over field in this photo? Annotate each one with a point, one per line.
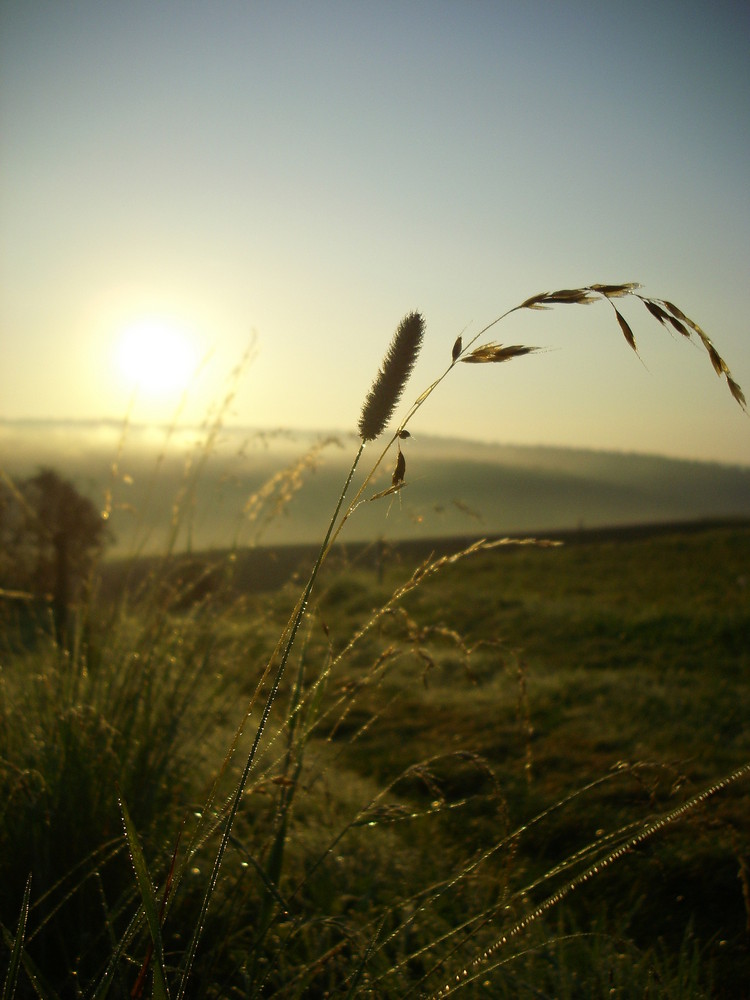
(247, 487)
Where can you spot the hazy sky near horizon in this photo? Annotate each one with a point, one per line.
(296, 176)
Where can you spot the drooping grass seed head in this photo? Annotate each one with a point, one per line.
(391, 380)
(400, 471)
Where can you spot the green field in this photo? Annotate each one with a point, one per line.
(488, 773)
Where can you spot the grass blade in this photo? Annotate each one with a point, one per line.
(146, 889)
(11, 979)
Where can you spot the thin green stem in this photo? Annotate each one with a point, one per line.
(297, 616)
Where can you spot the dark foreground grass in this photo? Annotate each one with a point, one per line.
(625, 659)
(488, 738)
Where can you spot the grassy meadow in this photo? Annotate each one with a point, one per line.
(452, 752)
(455, 486)
(495, 768)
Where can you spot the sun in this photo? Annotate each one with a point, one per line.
(156, 356)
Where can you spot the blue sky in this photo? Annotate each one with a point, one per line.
(299, 175)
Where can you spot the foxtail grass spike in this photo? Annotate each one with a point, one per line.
(392, 378)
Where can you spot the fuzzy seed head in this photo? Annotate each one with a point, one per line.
(391, 380)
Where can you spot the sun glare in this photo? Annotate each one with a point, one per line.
(156, 357)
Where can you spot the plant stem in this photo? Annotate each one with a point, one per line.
(292, 629)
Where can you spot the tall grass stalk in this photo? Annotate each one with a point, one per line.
(286, 644)
(378, 407)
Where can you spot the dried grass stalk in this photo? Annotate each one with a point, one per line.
(615, 291)
(496, 353)
(624, 326)
(570, 296)
(400, 471)
(671, 317)
(392, 378)
(389, 492)
(664, 311)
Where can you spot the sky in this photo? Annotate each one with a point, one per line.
(191, 188)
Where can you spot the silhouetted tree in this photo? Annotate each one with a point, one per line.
(51, 536)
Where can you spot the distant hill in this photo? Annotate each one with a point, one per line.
(243, 487)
